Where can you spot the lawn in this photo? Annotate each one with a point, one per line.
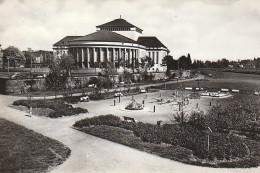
(246, 83)
(23, 150)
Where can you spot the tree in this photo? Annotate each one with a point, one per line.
(127, 76)
(67, 63)
(49, 59)
(185, 62)
(170, 63)
(55, 79)
(147, 62)
(16, 57)
(59, 72)
(137, 63)
(29, 57)
(110, 70)
(224, 63)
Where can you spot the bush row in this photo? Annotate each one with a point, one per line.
(186, 136)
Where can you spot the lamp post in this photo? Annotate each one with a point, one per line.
(31, 67)
(208, 136)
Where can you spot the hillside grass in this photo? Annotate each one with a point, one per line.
(23, 150)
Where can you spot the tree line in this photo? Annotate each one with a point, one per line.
(185, 63)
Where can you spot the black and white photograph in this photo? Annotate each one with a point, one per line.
(129, 86)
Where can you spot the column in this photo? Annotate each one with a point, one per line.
(128, 58)
(136, 58)
(83, 58)
(132, 58)
(77, 57)
(95, 55)
(124, 57)
(101, 57)
(88, 57)
(108, 58)
(119, 57)
(113, 55)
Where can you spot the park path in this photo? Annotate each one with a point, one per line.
(93, 154)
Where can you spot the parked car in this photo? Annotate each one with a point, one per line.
(142, 91)
(91, 85)
(84, 99)
(39, 76)
(118, 94)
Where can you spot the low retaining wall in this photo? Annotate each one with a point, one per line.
(17, 86)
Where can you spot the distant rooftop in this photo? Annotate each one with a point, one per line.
(150, 42)
(65, 40)
(118, 23)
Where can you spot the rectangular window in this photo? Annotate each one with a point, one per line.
(149, 54)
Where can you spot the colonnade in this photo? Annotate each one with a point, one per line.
(92, 57)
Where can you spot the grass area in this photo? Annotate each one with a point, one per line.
(59, 106)
(186, 142)
(246, 83)
(23, 150)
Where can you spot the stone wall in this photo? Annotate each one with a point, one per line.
(17, 86)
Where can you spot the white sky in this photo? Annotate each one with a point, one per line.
(207, 29)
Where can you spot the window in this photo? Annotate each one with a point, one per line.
(149, 54)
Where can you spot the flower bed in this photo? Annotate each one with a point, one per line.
(60, 107)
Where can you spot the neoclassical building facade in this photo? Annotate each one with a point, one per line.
(118, 42)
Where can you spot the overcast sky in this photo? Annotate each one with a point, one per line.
(207, 29)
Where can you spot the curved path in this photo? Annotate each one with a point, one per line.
(92, 154)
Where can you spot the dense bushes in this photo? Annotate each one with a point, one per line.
(238, 115)
(109, 120)
(67, 112)
(60, 107)
(222, 146)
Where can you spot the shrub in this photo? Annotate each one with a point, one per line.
(96, 97)
(93, 80)
(238, 115)
(109, 120)
(221, 145)
(67, 112)
(58, 105)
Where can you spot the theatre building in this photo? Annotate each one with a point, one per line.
(118, 42)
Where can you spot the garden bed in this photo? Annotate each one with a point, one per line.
(52, 108)
(184, 143)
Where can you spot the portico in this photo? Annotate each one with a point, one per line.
(119, 56)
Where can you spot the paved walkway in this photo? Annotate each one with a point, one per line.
(92, 154)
